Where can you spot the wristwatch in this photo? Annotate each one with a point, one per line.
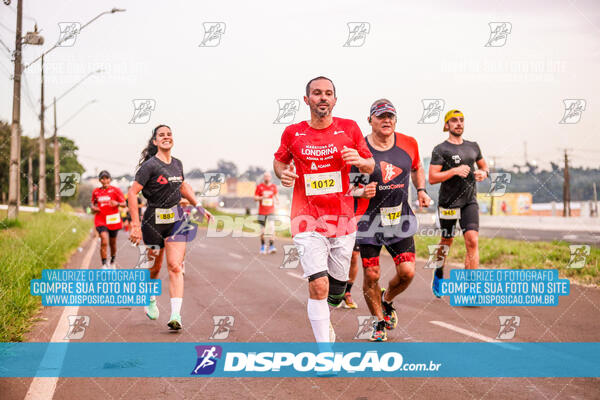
(421, 189)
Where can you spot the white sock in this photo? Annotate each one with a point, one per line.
(176, 305)
(146, 309)
(318, 314)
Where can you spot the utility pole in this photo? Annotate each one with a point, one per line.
(566, 189)
(30, 179)
(42, 181)
(15, 134)
(595, 206)
(56, 165)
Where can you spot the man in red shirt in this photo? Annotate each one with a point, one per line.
(315, 157)
(266, 195)
(106, 201)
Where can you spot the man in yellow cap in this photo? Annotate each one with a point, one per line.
(452, 165)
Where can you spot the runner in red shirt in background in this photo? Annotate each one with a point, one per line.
(266, 195)
(322, 220)
(106, 201)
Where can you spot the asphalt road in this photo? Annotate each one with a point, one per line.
(227, 277)
(533, 234)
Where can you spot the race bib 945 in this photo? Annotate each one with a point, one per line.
(323, 183)
(449, 213)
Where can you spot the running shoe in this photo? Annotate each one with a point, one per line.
(272, 249)
(435, 285)
(379, 333)
(331, 333)
(389, 312)
(263, 249)
(175, 322)
(152, 310)
(348, 302)
(105, 266)
(112, 265)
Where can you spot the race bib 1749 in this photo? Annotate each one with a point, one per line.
(391, 215)
(323, 183)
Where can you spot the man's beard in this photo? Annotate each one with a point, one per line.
(321, 114)
(455, 134)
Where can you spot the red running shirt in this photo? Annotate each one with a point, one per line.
(320, 201)
(107, 216)
(266, 206)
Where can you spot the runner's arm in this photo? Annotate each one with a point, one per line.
(483, 168)
(188, 193)
(436, 175)
(285, 172)
(132, 202)
(418, 178)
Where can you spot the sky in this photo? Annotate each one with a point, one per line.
(221, 99)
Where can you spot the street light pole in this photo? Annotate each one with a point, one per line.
(42, 181)
(15, 135)
(56, 151)
(56, 165)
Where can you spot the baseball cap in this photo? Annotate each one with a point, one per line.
(452, 114)
(382, 106)
(104, 174)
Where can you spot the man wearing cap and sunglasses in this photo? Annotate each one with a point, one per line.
(106, 201)
(452, 165)
(387, 218)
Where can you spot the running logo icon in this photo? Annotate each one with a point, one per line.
(77, 326)
(223, 324)
(456, 159)
(68, 183)
(287, 111)
(207, 359)
(573, 110)
(500, 182)
(213, 31)
(145, 259)
(291, 256)
(68, 33)
(499, 32)
(508, 326)
(365, 327)
(579, 254)
(437, 255)
(389, 171)
(142, 110)
(212, 184)
(357, 33)
(432, 109)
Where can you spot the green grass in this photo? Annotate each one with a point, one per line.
(37, 241)
(512, 254)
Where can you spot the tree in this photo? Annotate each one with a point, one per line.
(68, 162)
(253, 173)
(226, 167)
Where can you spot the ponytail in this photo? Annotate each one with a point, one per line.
(151, 149)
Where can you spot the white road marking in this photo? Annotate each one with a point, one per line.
(201, 245)
(42, 388)
(466, 332)
(296, 276)
(570, 237)
(235, 255)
